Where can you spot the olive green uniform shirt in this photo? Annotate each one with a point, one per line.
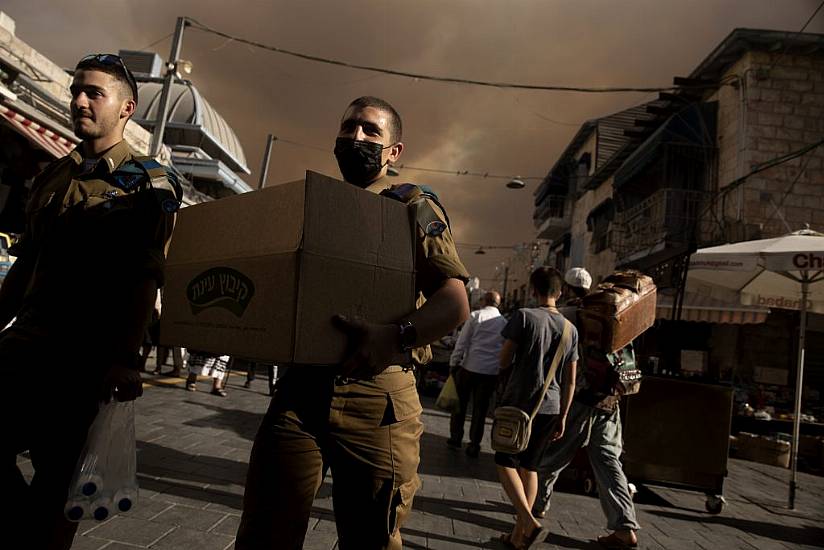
(436, 258)
(92, 235)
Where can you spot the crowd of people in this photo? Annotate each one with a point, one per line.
(578, 410)
(359, 419)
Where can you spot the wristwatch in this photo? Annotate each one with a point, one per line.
(407, 335)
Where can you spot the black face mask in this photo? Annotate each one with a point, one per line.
(359, 161)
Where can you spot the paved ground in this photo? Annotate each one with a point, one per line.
(194, 447)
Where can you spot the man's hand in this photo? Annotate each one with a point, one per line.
(558, 429)
(122, 383)
(372, 347)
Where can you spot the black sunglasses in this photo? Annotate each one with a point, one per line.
(113, 60)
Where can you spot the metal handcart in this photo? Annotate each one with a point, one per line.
(677, 433)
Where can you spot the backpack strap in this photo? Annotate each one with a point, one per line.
(416, 196)
(556, 360)
(162, 181)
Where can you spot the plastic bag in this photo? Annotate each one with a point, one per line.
(105, 478)
(448, 398)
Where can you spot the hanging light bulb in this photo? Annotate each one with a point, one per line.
(516, 183)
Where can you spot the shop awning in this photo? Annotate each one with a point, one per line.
(38, 135)
(706, 309)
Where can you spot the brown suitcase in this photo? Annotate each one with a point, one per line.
(618, 311)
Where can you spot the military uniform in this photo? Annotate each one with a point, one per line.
(96, 231)
(366, 431)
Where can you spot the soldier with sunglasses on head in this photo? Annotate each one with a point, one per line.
(82, 290)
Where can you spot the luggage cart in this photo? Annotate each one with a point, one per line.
(677, 433)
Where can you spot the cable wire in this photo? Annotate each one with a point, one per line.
(420, 168)
(156, 42)
(580, 89)
(787, 47)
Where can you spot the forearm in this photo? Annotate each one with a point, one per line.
(442, 312)
(568, 389)
(13, 290)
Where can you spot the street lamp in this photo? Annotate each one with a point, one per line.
(516, 183)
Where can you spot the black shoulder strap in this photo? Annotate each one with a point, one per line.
(416, 195)
(163, 181)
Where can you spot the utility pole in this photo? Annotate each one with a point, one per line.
(168, 80)
(506, 279)
(264, 169)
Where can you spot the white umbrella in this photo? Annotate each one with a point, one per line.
(774, 273)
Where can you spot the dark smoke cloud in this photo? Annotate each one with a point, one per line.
(585, 42)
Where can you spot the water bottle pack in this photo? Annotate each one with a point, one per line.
(105, 478)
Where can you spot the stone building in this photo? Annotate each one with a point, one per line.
(680, 185)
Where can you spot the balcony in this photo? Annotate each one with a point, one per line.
(664, 220)
(553, 217)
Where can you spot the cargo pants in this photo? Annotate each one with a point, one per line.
(600, 432)
(366, 432)
(52, 399)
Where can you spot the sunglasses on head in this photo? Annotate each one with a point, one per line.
(113, 60)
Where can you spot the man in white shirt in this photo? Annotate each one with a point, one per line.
(474, 365)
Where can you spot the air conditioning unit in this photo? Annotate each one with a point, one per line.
(142, 64)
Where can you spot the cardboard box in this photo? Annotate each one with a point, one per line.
(260, 275)
(763, 450)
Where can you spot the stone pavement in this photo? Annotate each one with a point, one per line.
(194, 447)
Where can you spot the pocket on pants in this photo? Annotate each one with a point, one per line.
(401, 504)
(404, 404)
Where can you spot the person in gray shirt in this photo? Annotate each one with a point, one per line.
(532, 337)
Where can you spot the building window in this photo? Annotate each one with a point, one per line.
(599, 222)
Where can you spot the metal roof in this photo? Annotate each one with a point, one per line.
(192, 122)
(580, 137)
(613, 146)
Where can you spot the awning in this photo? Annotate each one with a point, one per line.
(38, 135)
(706, 309)
(692, 127)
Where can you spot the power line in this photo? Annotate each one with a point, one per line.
(420, 168)
(789, 190)
(580, 89)
(686, 232)
(769, 164)
(488, 246)
(465, 173)
(787, 47)
(156, 42)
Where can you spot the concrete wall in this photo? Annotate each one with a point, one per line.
(601, 264)
(783, 110)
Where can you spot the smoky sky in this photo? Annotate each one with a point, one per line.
(446, 126)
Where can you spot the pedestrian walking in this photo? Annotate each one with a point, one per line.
(210, 365)
(594, 423)
(88, 267)
(474, 364)
(533, 337)
(361, 418)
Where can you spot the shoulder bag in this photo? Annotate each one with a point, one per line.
(511, 426)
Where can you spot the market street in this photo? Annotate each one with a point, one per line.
(193, 450)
